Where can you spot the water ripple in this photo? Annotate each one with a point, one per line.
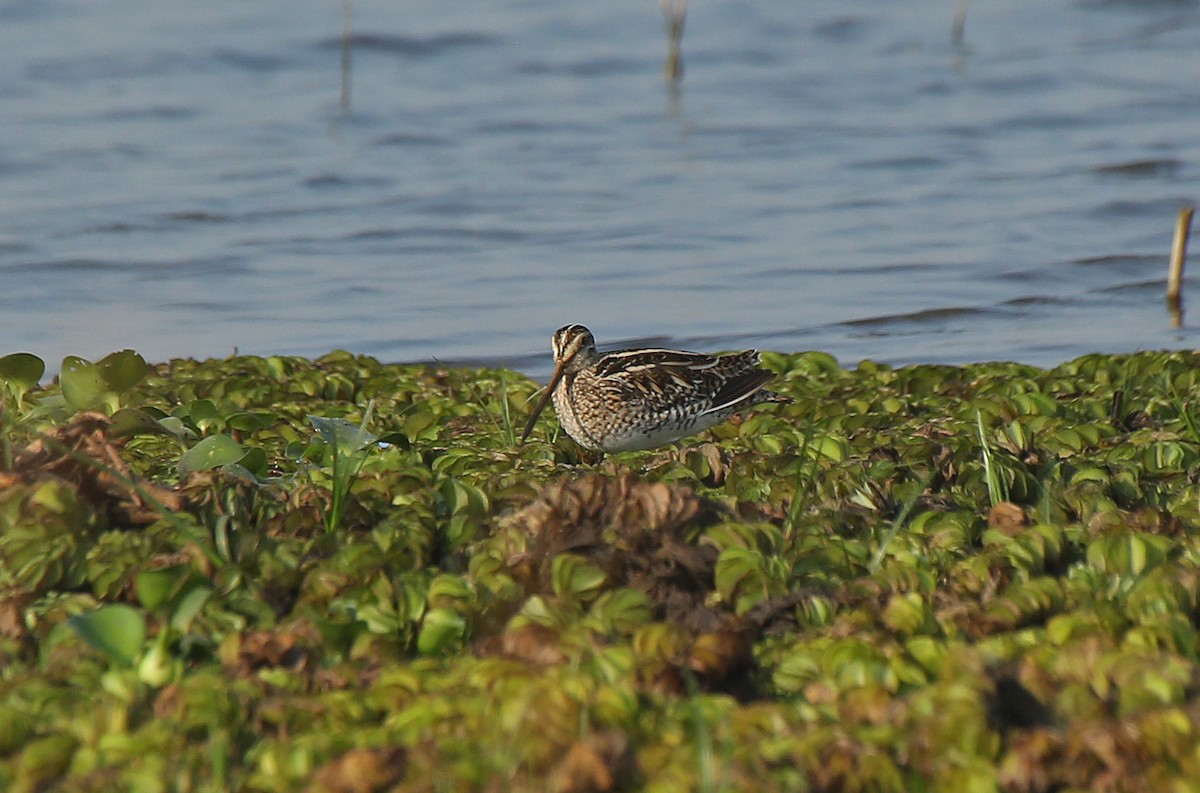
(834, 178)
(411, 46)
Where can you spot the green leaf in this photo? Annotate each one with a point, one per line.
(16, 727)
(118, 631)
(255, 461)
(420, 425)
(203, 414)
(157, 667)
(189, 606)
(127, 422)
(442, 630)
(741, 577)
(622, 610)
(154, 587)
(461, 498)
(22, 369)
(572, 576)
(174, 426)
(212, 452)
(447, 590)
(247, 422)
(122, 370)
(346, 437)
(82, 383)
(832, 448)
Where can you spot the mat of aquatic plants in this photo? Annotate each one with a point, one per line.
(275, 574)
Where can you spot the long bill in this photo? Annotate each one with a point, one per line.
(541, 405)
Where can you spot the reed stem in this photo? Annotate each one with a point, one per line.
(960, 23)
(1183, 226)
(676, 13)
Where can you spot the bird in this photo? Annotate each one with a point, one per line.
(641, 399)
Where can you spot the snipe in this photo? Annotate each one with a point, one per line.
(640, 399)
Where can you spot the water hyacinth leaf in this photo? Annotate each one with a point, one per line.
(1088, 595)
(816, 611)
(443, 630)
(16, 727)
(299, 450)
(1034, 404)
(347, 438)
(157, 667)
(830, 447)
(189, 606)
(42, 762)
(1089, 474)
(906, 614)
(155, 587)
(22, 371)
(447, 590)
(82, 383)
(122, 370)
(741, 577)
(621, 610)
(928, 652)
(247, 422)
(171, 425)
(573, 576)
(118, 631)
(255, 462)
(1128, 553)
(203, 414)
(128, 422)
(795, 671)
(420, 425)
(1165, 457)
(393, 439)
(22, 368)
(212, 452)
(764, 443)
(461, 498)
(455, 460)
(278, 368)
(538, 610)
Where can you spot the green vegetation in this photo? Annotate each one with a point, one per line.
(274, 574)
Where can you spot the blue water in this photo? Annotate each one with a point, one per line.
(181, 178)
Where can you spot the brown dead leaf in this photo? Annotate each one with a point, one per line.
(578, 509)
(1148, 519)
(1033, 762)
(1157, 521)
(1007, 518)
(592, 765)
(359, 771)
(245, 653)
(717, 656)
(820, 693)
(534, 644)
(87, 454)
(168, 701)
(12, 615)
(641, 534)
(715, 459)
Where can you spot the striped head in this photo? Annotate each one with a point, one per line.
(574, 348)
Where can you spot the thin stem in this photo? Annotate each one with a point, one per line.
(877, 559)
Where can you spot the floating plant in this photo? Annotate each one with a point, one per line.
(923, 578)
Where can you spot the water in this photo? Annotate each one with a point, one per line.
(181, 179)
